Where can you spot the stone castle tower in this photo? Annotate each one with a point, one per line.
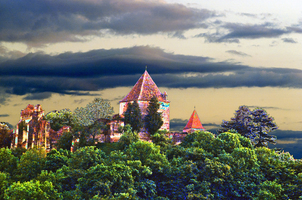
(142, 92)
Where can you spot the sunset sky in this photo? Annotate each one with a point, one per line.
(215, 55)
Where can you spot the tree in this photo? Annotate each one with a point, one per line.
(89, 118)
(128, 137)
(65, 141)
(153, 119)
(5, 135)
(60, 118)
(263, 124)
(241, 122)
(55, 159)
(8, 162)
(32, 162)
(254, 125)
(32, 190)
(133, 116)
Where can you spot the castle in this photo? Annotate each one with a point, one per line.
(33, 131)
(142, 92)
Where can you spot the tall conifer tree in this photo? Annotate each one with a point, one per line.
(133, 116)
(153, 119)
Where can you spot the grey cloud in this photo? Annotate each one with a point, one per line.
(237, 31)
(38, 75)
(289, 40)
(252, 31)
(238, 53)
(177, 124)
(43, 22)
(178, 34)
(248, 15)
(37, 96)
(295, 29)
(79, 101)
(289, 142)
(4, 115)
(266, 107)
(287, 134)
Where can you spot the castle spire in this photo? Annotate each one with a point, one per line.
(194, 123)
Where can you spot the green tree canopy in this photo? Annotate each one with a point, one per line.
(254, 125)
(89, 119)
(60, 118)
(128, 137)
(32, 190)
(133, 116)
(8, 162)
(6, 135)
(32, 162)
(153, 119)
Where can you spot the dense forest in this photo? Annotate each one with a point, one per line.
(203, 166)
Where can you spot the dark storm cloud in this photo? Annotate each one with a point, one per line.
(289, 141)
(238, 53)
(289, 40)
(38, 75)
(252, 31)
(41, 22)
(237, 31)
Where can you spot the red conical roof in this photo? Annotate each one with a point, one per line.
(194, 122)
(144, 90)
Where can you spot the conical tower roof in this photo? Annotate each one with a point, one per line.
(194, 122)
(144, 90)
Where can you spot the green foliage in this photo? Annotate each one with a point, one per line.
(107, 148)
(32, 162)
(18, 152)
(270, 190)
(31, 190)
(89, 121)
(149, 154)
(153, 119)
(203, 139)
(128, 137)
(106, 180)
(255, 125)
(133, 116)
(61, 118)
(160, 138)
(202, 167)
(55, 159)
(226, 142)
(65, 141)
(86, 157)
(8, 162)
(4, 183)
(88, 115)
(6, 135)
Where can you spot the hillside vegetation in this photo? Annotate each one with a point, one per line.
(201, 167)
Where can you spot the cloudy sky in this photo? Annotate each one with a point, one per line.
(214, 55)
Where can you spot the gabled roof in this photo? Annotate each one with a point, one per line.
(194, 122)
(144, 90)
